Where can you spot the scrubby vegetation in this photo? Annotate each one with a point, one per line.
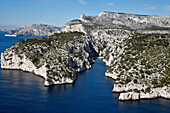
(63, 53)
(156, 28)
(145, 60)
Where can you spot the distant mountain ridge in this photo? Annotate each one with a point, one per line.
(34, 30)
(111, 20)
(105, 20)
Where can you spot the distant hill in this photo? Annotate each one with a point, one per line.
(34, 30)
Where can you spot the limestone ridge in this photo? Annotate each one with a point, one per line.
(109, 20)
(137, 55)
(34, 30)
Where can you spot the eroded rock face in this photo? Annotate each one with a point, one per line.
(129, 96)
(110, 20)
(157, 92)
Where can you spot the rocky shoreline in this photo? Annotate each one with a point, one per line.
(138, 60)
(66, 63)
(154, 93)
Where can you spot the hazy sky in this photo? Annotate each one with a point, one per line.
(58, 12)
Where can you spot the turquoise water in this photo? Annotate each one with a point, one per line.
(23, 92)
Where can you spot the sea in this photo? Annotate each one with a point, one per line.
(24, 92)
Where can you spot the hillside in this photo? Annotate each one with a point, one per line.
(34, 30)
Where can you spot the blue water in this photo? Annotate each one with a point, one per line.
(23, 92)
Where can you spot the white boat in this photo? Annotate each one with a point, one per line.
(10, 35)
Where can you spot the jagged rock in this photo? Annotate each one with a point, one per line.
(165, 92)
(129, 96)
(110, 20)
(157, 92)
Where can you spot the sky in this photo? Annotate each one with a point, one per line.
(16, 13)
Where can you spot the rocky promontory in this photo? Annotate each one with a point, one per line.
(57, 58)
(34, 30)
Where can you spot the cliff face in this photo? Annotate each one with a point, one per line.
(137, 59)
(34, 30)
(141, 67)
(57, 58)
(109, 20)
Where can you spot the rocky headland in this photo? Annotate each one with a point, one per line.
(34, 30)
(136, 49)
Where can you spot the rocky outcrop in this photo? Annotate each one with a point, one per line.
(11, 60)
(74, 25)
(110, 20)
(155, 93)
(34, 30)
(129, 96)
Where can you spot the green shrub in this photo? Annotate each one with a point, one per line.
(127, 80)
(47, 66)
(148, 89)
(136, 90)
(154, 81)
(135, 81)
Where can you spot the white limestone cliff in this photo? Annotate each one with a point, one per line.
(60, 70)
(10, 60)
(155, 93)
(129, 96)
